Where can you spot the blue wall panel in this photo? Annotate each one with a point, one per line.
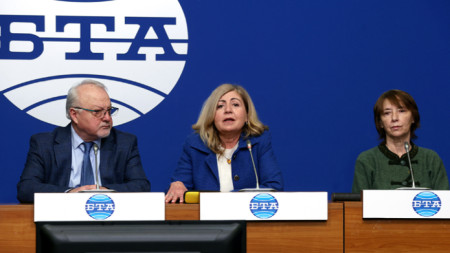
(314, 70)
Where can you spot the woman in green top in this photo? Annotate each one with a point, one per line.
(386, 166)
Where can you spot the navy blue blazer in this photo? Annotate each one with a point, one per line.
(49, 163)
(198, 170)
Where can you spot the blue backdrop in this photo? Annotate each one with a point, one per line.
(314, 70)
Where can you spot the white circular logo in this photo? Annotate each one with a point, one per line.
(137, 48)
(264, 206)
(100, 207)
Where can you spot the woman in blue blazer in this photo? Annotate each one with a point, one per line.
(217, 156)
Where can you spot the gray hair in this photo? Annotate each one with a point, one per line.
(72, 95)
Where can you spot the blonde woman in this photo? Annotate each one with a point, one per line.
(216, 157)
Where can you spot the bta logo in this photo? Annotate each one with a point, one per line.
(100, 207)
(264, 206)
(138, 48)
(426, 204)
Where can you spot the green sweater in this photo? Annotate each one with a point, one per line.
(379, 168)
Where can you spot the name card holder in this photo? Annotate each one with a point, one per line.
(99, 206)
(406, 204)
(263, 206)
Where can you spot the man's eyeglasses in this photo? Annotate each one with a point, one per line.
(102, 112)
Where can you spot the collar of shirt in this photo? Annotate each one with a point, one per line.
(76, 140)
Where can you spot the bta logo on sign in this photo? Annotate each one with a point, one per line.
(100, 207)
(426, 204)
(137, 48)
(264, 206)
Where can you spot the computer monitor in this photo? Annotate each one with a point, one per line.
(339, 197)
(165, 236)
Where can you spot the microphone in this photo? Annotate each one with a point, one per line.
(96, 165)
(95, 147)
(249, 146)
(412, 173)
(257, 189)
(410, 166)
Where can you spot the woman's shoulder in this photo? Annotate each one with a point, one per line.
(194, 141)
(369, 153)
(429, 157)
(264, 137)
(427, 152)
(193, 137)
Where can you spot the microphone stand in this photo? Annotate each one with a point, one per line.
(95, 147)
(412, 173)
(257, 189)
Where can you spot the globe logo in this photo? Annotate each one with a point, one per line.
(426, 204)
(264, 206)
(100, 207)
(138, 49)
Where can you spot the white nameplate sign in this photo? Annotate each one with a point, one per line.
(263, 206)
(99, 206)
(410, 204)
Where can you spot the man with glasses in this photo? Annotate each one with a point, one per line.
(66, 160)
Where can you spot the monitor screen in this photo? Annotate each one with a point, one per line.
(335, 197)
(166, 236)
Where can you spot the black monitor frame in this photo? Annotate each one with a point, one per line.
(141, 236)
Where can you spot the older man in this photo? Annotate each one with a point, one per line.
(64, 160)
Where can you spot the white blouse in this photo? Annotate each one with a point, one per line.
(225, 177)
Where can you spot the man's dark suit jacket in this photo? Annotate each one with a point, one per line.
(49, 163)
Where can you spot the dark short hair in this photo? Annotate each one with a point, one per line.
(398, 98)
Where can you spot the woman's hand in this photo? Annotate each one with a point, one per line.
(176, 191)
